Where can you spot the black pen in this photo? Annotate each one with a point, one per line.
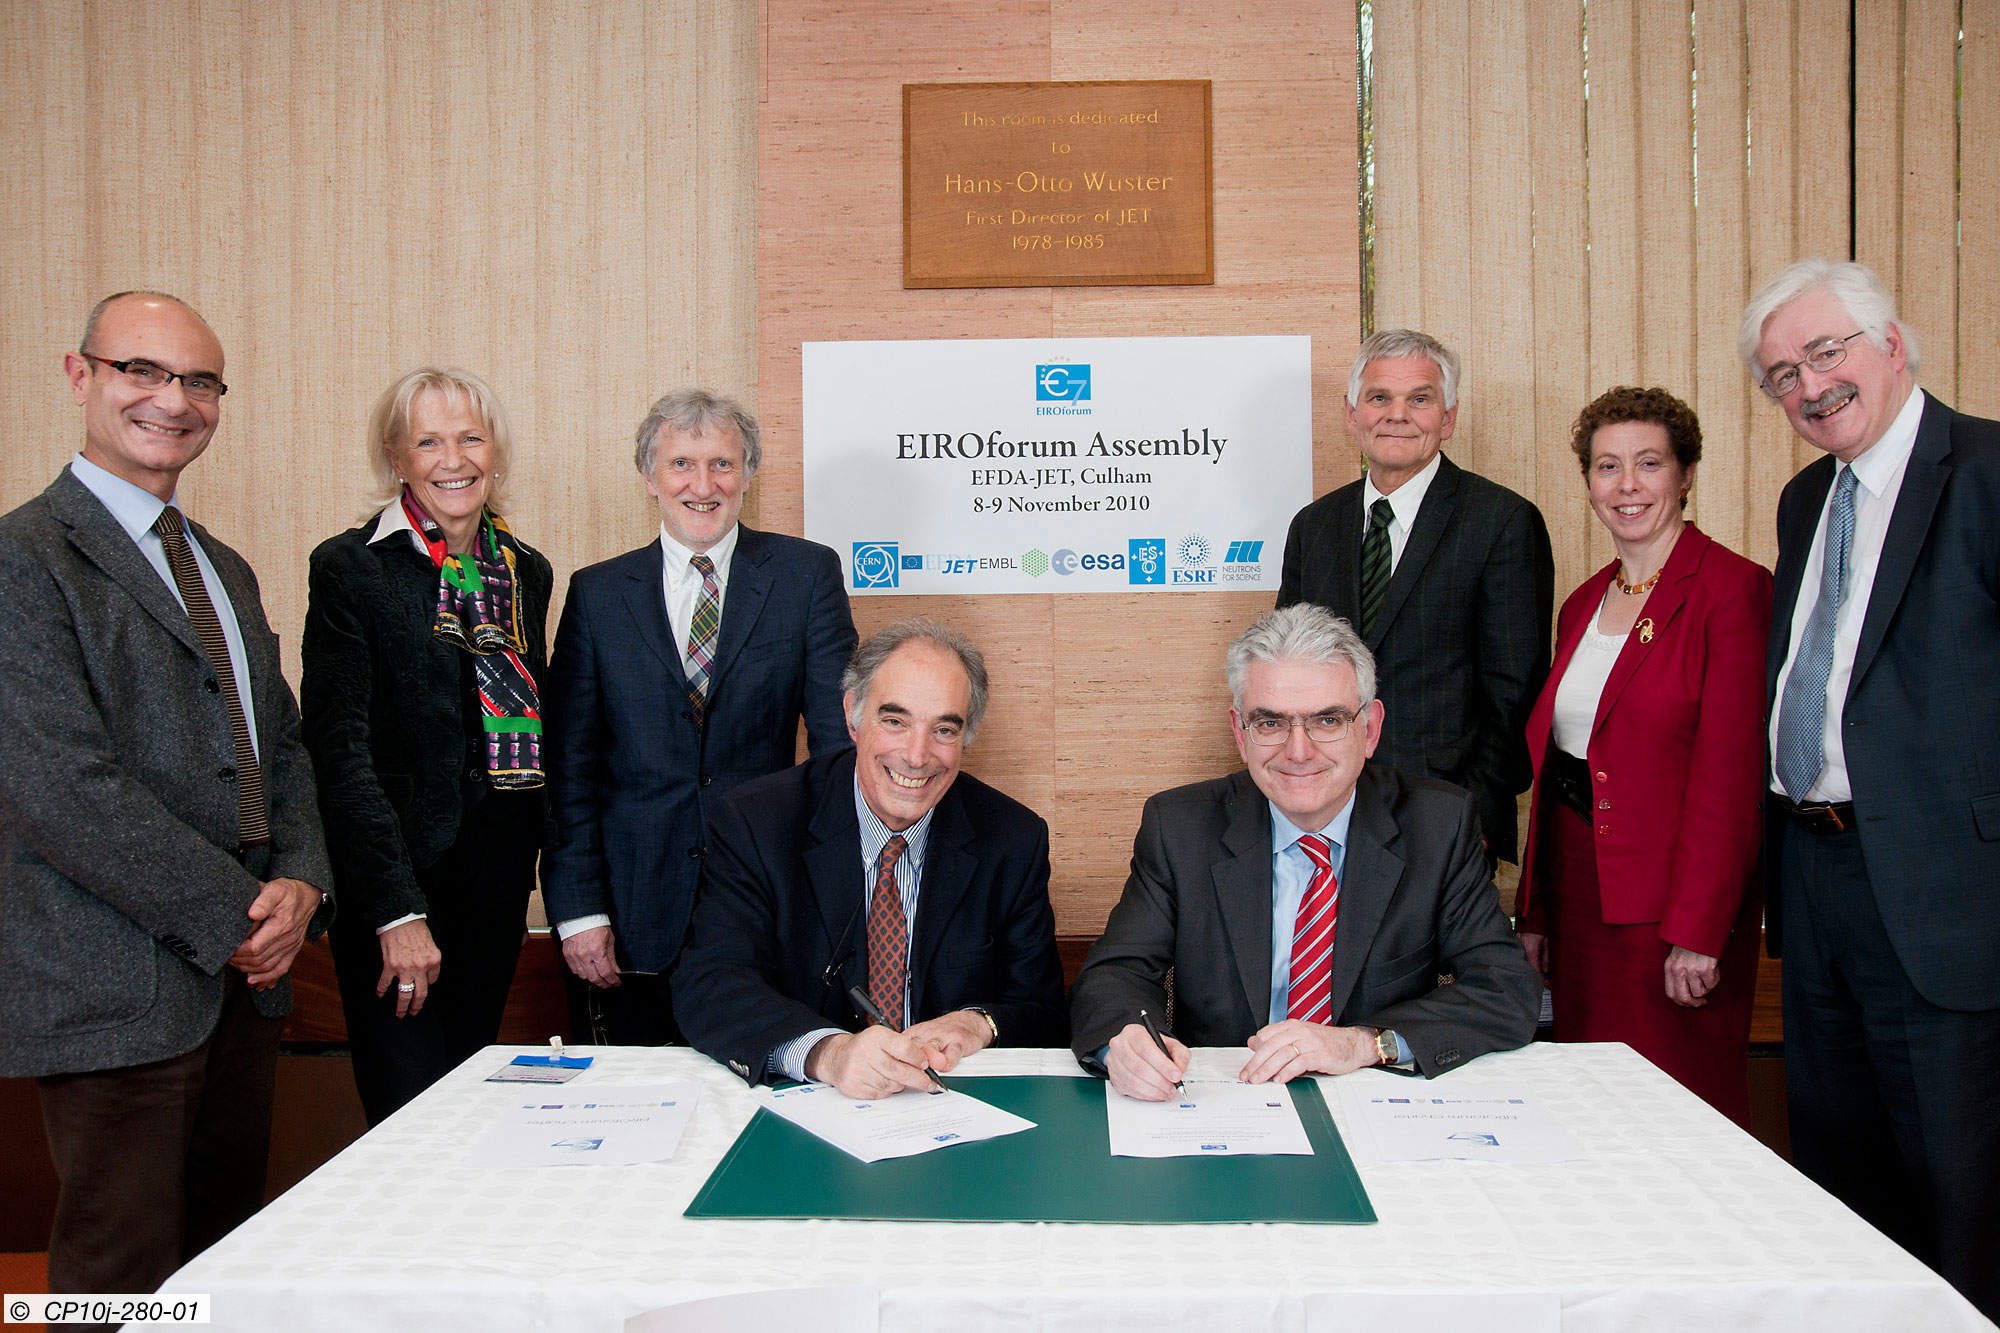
(874, 1015)
(1180, 1086)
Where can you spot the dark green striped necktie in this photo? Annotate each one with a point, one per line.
(1375, 563)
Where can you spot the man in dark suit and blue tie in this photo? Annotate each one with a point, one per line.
(1884, 811)
(680, 670)
(1447, 576)
(883, 870)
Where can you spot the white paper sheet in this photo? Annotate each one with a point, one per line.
(1418, 1127)
(900, 1126)
(1434, 1312)
(587, 1126)
(1217, 1120)
(821, 1309)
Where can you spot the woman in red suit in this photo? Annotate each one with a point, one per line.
(1639, 893)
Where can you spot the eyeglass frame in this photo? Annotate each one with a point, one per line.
(1293, 723)
(1792, 367)
(125, 368)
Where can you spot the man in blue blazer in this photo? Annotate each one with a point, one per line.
(680, 670)
(885, 869)
(1883, 816)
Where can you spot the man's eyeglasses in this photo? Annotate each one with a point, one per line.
(1325, 728)
(201, 388)
(1781, 379)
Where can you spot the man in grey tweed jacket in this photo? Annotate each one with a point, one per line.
(145, 930)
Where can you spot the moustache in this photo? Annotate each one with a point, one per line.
(1826, 402)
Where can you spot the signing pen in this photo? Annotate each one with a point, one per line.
(874, 1015)
(1180, 1086)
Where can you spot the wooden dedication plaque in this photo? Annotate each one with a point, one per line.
(1057, 184)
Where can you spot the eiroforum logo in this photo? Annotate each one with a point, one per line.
(1035, 563)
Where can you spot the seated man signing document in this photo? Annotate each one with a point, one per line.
(882, 868)
(1309, 905)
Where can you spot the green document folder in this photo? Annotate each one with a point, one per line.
(1060, 1171)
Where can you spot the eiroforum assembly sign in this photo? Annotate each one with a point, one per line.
(1057, 465)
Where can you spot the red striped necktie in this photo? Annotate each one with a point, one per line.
(1311, 996)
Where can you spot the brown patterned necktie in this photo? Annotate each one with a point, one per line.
(888, 936)
(252, 828)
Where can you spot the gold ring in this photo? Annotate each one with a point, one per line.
(1296, 1051)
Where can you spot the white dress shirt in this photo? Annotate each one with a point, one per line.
(1582, 685)
(1878, 480)
(136, 510)
(680, 585)
(1406, 501)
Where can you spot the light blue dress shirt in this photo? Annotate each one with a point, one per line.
(136, 510)
(790, 1058)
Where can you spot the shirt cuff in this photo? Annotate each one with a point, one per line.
(399, 921)
(790, 1059)
(577, 925)
(1404, 1054)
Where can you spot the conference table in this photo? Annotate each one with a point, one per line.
(1673, 1219)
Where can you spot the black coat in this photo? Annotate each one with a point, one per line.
(385, 716)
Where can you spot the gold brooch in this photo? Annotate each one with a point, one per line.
(1646, 630)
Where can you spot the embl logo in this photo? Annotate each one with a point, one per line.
(876, 565)
(1062, 384)
(1149, 560)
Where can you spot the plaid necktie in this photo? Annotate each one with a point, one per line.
(701, 634)
(252, 826)
(1802, 711)
(1375, 563)
(888, 936)
(1311, 995)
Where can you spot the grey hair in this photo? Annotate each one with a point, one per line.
(1856, 286)
(1406, 342)
(690, 412)
(389, 421)
(90, 321)
(1306, 633)
(878, 647)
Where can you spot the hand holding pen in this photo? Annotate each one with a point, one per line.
(1144, 1064)
(866, 1007)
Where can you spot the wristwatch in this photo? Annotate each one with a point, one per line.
(1386, 1050)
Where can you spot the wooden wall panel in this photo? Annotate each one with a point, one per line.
(1979, 214)
(559, 199)
(1722, 264)
(1100, 700)
(1558, 177)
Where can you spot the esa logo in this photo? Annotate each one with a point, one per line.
(1148, 560)
(876, 565)
(1067, 562)
(1062, 384)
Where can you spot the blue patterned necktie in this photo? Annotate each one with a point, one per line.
(1802, 712)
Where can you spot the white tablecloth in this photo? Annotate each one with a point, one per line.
(1675, 1221)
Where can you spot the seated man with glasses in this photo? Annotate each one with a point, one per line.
(1310, 906)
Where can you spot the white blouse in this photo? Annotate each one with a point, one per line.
(1583, 685)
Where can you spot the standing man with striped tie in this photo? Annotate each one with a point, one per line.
(680, 670)
(1445, 574)
(1883, 817)
(884, 872)
(161, 861)
(1309, 904)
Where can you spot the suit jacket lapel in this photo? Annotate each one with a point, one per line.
(949, 864)
(645, 597)
(93, 531)
(1369, 874)
(1794, 548)
(1242, 880)
(1665, 603)
(1923, 482)
(749, 586)
(833, 869)
(1433, 517)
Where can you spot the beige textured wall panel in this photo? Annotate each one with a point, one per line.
(1722, 390)
(1979, 216)
(1068, 670)
(353, 188)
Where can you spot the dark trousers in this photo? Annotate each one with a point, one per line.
(1895, 1102)
(159, 1161)
(639, 1011)
(477, 901)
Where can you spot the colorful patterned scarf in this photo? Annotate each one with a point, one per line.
(478, 612)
